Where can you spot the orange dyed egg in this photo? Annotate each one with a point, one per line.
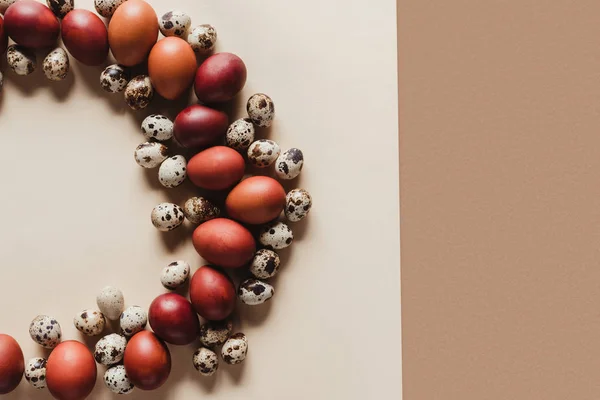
(71, 371)
(172, 67)
(12, 364)
(224, 242)
(132, 32)
(256, 200)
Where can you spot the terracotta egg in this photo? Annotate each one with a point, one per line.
(173, 319)
(31, 24)
(132, 32)
(256, 200)
(216, 168)
(147, 361)
(85, 36)
(12, 364)
(71, 371)
(219, 78)
(224, 242)
(199, 126)
(3, 37)
(212, 293)
(172, 67)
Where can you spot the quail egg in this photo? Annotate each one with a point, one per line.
(240, 134)
(205, 361)
(265, 264)
(289, 164)
(110, 349)
(215, 333)
(150, 154)
(110, 301)
(139, 92)
(175, 23)
(276, 236)
(198, 210)
(35, 372)
(56, 65)
(203, 38)
(297, 205)
(167, 216)
(175, 274)
(172, 171)
(60, 8)
(157, 127)
(133, 320)
(261, 109)
(45, 331)
(4, 4)
(254, 292)
(89, 322)
(117, 381)
(21, 60)
(114, 78)
(235, 349)
(263, 153)
(107, 8)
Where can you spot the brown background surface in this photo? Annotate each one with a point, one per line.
(500, 172)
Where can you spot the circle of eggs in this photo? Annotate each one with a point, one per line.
(203, 38)
(117, 381)
(276, 236)
(263, 153)
(289, 164)
(254, 292)
(89, 322)
(21, 60)
(175, 23)
(114, 78)
(205, 361)
(172, 171)
(60, 8)
(265, 264)
(166, 216)
(133, 320)
(261, 109)
(235, 349)
(297, 204)
(175, 274)
(45, 331)
(56, 65)
(150, 154)
(157, 127)
(240, 134)
(107, 8)
(35, 372)
(110, 301)
(110, 349)
(215, 333)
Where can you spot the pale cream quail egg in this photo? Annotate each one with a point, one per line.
(203, 38)
(261, 110)
(215, 333)
(133, 320)
(289, 164)
(175, 23)
(111, 302)
(240, 134)
(254, 292)
(117, 381)
(150, 154)
(89, 322)
(166, 217)
(35, 372)
(175, 274)
(298, 203)
(235, 349)
(198, 210)
(21, 60)
(107, 8)
(110, 349)
(276, 236)
(205, 361)
(45, 331)
(60, 8)
(263, 153)
(56, 65)
(157, 127)
(172, 171)
(265, 264)
(114, 78)
(139, 92)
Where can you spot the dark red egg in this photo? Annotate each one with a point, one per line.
(199, 126)
(12, 364)
(224, 242)
(85, 36)
(31, 24)
(219, 78)
(216, 168)
(3, 37)
(71, 371)
(212, 293)
(147, 361)
(173, 319)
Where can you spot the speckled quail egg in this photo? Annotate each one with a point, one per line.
(110, 349)
(60, 8)
(89, 322)
(235, 349)
(56, 64)
(263, 153)
(157, 127)
(1, 80)
(254, 292)
(35, 372)
(289, 164)
(203, 38)
(4, 4)
(117, 381)
(265, 264)
(175, 274)
(111, 302)
(167, 216)
(45, 331)
(205, 361)
(175, 23)
(240, 134)
(107, 8)
(133, 320)
(198, 210)
(150, 154)
(172, 171)
(114, 78)
(21, 60)
(139, 92)
(297, 204)
(261, 109)
(276, 236)
(215, 333)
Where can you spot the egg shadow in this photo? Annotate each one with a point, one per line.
(231, 108)
(90, 341)
(61, 89)
(90, 75)
(255, 315)
(176, 238)
(236, 372)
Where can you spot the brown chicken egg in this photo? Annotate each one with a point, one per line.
(132, 32)
(199, 126)
(85, 36)
(256, 200)
(12, 364)
(71, 371)
(216, 168)
(212, 293)
(172, 67)
(219, 78)
(31, 24)
(224, 242)
(147, 361)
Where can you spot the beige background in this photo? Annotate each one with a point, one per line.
(75, 209)
(500, 166)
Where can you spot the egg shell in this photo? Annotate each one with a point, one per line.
(117, 381)
(220, 78)
(147, 360)
(85, 36)
(139, 92)
(172, 171)
(212, 293)
(132, 32)
(56, 65)
(12, 364)
(21, 60)
(107, 8)
(111, 302)
(298, 203)
(172, 67)
(133, 320)
(157, 127)
(150, 154)
(224, 242)
(216, 168)
(289, 164)
(89, 322)
(256, 200)
(199, 126)
(254, 292)
(240, 134)
(261, 109)
(1, 80)
(263, 153)
(60, 8)
(215, 333)
(4, 4)
(175, 274)
(35, 372)
(3, 37)
(45, 331)
(173, 319)
(265, 264)
(167, 216)
(203, 38)
(114, 78)
(198, 210)
(70, 371)
(110, 349)
(175, 23)
(205, 361)
(31, 24)
(276, 236)
(235, 349)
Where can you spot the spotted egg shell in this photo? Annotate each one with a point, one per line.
(205, 361)
(157, 127)
(289, 164)
(150, 154)
(254, 292)
(133, 320)
(265, 264)
(110, 349)
(175, 23)
(198, 210)
(298, 203)
(4, 4)
(45, 331)
(107, 8)
(175, 274)
(56, 65)
(166, 216)
(172, 171)
(235, 349)
(117, 381)
(35, 372)
(263, 153)
(139, 92)
(240, 134)
(261, 109)
(203, 38)
(276, 236)
(21, 60)
(60, 8)
(114, 78)
(89, 322)
(215, 333)
(110, 301)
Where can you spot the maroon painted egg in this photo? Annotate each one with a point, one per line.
(212, 293)
(85, 36)
(219, 78)
(31, 24)
(224, 242)
(173, 319)
(147, 361)
(199, 126)
(12, 364)
(3, 37)
(71, 371)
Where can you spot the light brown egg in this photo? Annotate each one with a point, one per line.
(256, 200)
(172, 67)
(132, 32)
